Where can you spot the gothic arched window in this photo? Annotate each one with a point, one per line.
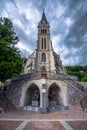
(43, 43)
(43, 31)
(43, 57)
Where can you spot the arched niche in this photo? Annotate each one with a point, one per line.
(32, 96)
(54, 95)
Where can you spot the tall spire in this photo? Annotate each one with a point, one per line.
(43, 19)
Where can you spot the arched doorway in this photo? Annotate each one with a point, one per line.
(32, 97)
(54, 95)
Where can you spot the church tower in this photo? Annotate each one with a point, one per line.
(45, 58)
(44, 62)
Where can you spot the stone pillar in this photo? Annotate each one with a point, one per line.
(44, 98)
(65, 101)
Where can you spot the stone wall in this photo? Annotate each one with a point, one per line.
(84, 84)
(68, 95)
(73, 77)
(74, 95)
(13, 93)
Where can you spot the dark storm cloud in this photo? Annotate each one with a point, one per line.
(26, 40)
(68, 21)
(77, 34)
(40, 4)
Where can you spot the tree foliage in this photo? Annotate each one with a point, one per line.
(79, 71)
(10, 59)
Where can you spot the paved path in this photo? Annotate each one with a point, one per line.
(22, 125)
(66, 125)
(63, 122)
(23, 119)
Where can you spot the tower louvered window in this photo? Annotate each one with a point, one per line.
(43, 43)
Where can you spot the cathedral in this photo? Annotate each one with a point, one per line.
(45, 86)
(44, 61)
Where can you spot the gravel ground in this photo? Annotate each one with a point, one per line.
(78, 125)
(37, 124)
(54, 115)
(9, 125)
(44, 126)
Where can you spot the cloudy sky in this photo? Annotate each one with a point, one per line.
(68, 21)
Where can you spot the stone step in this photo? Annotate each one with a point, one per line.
(6, 104)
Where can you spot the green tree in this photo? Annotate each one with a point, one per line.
(79, 71)
(84, 78)
(10, 59)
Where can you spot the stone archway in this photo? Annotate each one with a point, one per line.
(54, 96)
(32, 96)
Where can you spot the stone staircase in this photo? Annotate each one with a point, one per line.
(67, 79)
(83, 103)
(58, 76)
(5, 104)
(77, 108)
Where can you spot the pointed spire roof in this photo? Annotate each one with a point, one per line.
(43, 19)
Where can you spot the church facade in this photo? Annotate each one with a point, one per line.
(44, 84)
(44, 61)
